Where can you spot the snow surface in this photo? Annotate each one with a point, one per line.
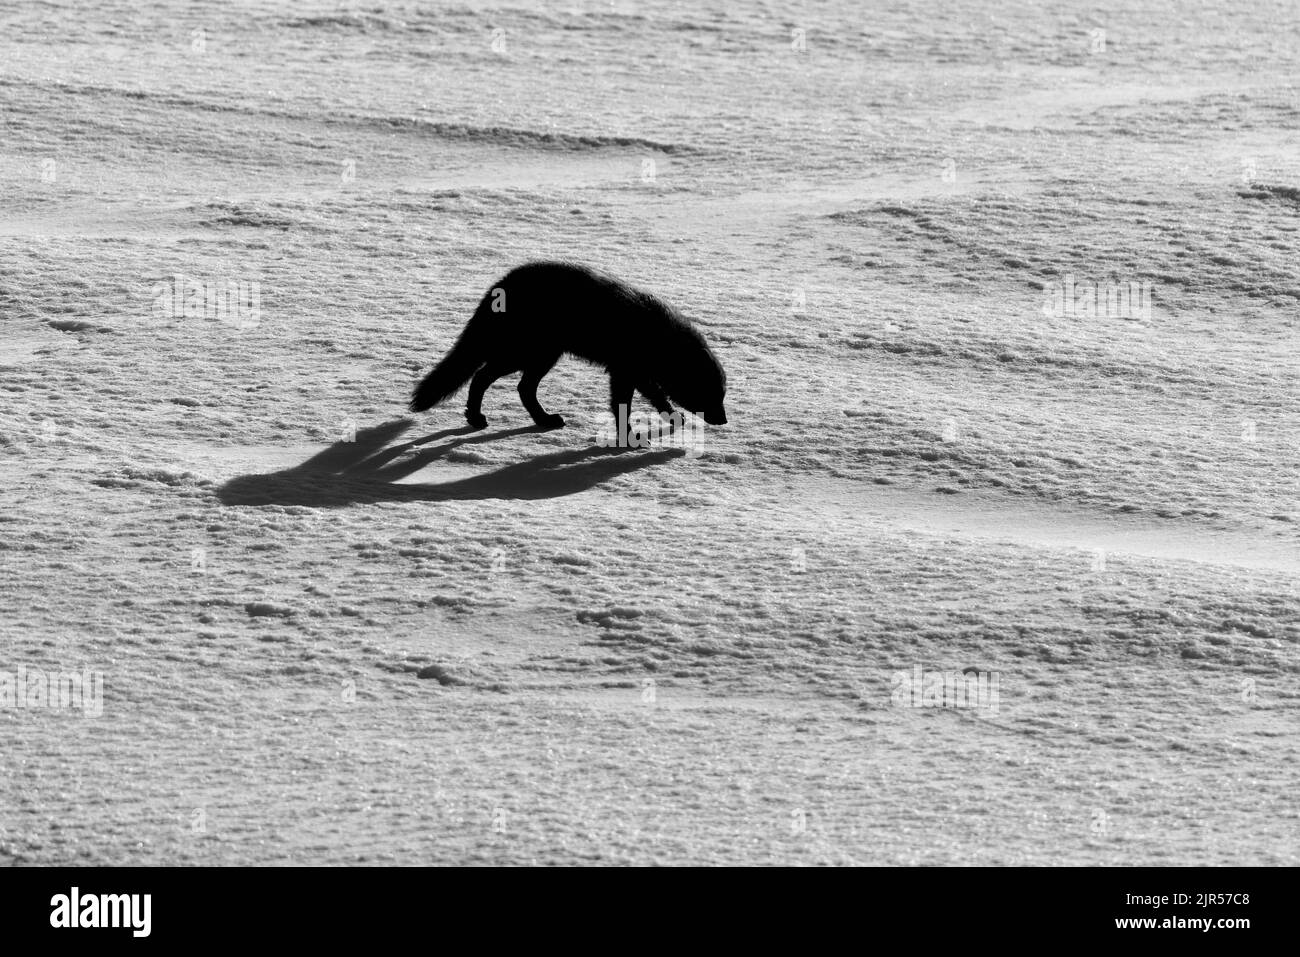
(334, 633)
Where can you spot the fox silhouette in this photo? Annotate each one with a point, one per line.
(541, 311)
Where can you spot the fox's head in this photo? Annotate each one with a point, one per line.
(696, 381)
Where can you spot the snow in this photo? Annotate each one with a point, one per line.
(332, 632)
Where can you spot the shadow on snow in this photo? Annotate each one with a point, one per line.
(369, 469)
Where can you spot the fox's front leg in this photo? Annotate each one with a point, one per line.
(621, 387)
(659, 399)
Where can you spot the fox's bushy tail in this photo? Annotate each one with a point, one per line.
(456, 367)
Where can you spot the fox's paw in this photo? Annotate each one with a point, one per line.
(476, 419)
(551, 422)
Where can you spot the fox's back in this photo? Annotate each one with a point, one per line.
(554, 305)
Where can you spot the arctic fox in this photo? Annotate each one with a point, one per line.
(542, 310)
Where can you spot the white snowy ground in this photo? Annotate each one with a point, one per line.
(332, 633)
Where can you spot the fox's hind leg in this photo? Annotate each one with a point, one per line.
(528, 392)
(482, 379)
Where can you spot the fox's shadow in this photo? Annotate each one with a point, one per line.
(369, 469)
